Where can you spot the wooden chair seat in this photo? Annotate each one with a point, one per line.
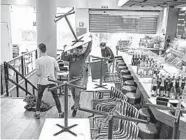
(147, 131)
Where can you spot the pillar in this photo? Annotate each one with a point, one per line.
(46, 27)
(6, 37)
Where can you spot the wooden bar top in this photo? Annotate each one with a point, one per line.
(144, 85)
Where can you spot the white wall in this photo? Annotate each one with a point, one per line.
(81, 16)
(112, 4)
(6, 41)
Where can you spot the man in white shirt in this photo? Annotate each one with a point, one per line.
(46, 66)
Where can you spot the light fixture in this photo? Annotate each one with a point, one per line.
(183, 8)
(122, 2)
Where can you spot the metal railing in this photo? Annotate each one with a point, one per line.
(24, 65)
(16, 81)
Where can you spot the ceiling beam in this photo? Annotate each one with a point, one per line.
(180, 6)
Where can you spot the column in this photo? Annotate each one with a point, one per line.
(46, 27)
(6, 37)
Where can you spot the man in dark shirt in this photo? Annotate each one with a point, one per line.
(76, 59)
(107, 53)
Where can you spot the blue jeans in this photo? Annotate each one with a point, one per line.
(41, 89)
(75, 91)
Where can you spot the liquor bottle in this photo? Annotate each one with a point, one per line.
(183, 83)
(169, 85)
(154, 85)
(132, 60)
(184, 94)
(158, 84)
(166, 86)
(162, 86)
(177, 86)
(173, 88)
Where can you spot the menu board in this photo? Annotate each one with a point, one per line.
(181, 24)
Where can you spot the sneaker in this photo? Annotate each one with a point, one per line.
(72, 108)
(37, 116)
(61, 115)
(74, 113)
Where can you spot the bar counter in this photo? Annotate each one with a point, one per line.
(144, 86)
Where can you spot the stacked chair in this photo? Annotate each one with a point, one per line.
(122, 99)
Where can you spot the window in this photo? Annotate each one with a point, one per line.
(181, 24)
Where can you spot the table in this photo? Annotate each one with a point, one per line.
(62, 75)
(82, 130)
(144, 85)
(91, 86)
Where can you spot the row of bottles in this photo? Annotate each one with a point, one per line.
(136, 58)
(168, 86)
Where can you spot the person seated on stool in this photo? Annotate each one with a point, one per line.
(76, 59)
(46, 67)
(107, 53)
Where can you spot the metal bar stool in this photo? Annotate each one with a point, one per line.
(125, 72)
(144, 114)
(133, 98)
(127, 77)
(130, 83)
(147, 131)
(126, 89)
(121, 68)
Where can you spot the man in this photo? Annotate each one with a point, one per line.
(76, 59)
(46, 67)
(107, 53)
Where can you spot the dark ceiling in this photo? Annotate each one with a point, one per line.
(155, 3)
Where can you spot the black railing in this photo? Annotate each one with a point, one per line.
(24, 65)
(16, 81)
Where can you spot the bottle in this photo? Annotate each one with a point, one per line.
(183, 83)
(158, 85)
(177, 84)
(166, 86)
(173, 89)
(162, 86)
(154, 85)
(184, 94)
(132, 60)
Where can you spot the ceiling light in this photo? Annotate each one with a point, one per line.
(122, 2)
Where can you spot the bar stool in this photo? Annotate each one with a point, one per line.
(144, 114)
(118, 57)
(127, 77)
(121, 64)
(133, 98)
(130, 83)
(126, 89)
(119, 68)
(125, 72)
(147, 131)
(120, 61)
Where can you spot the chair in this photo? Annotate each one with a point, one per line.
(127, 130)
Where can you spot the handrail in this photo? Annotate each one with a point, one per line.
(20, 74)
(21, 56)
